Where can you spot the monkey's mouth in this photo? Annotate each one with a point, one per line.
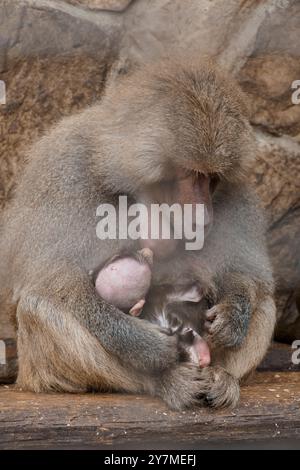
(199, 177)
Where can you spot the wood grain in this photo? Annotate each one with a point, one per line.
(269, 411)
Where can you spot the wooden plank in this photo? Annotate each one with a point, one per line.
(269, 410)
(279, 358)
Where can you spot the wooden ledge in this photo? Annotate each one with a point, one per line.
(269, 411)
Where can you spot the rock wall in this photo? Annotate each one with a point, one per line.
(55, 57)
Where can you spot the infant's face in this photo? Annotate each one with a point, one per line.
(166, 308)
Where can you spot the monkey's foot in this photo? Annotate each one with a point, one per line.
(226, 325)
(187, 385)
(222, 389)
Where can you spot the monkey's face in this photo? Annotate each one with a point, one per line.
(185, 131)
(205, 139)
(181, 189)
(190, 116)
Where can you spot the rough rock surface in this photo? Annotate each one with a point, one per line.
(53, 64)
(268, 79)
(57, 87)
(55, 55)
(276, 179)
(111, 5)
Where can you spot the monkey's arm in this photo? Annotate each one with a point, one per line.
(136, 343)
(243, 316)
(239, 329)
(243, 275)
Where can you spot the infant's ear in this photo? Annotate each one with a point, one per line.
(187, 294)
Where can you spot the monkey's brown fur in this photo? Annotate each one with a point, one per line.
(169, 115)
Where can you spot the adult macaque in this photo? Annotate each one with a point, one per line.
(172, 132)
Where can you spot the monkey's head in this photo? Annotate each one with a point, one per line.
(180, 130)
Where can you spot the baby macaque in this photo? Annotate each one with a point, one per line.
(173, 309)
(124, 281)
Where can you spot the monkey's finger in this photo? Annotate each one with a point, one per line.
(136, 310)
(211, 314)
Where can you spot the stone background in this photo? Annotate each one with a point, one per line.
(55, 57)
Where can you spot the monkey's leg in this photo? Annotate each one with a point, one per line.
(67, 291)
(231, 365)
(67, 342)
(58, 352)
(241, 335)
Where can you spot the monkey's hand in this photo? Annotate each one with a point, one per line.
(187, 385)
(226, 324)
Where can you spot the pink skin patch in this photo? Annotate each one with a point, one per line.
(197, 349)
(124, 282)
(201, 351)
